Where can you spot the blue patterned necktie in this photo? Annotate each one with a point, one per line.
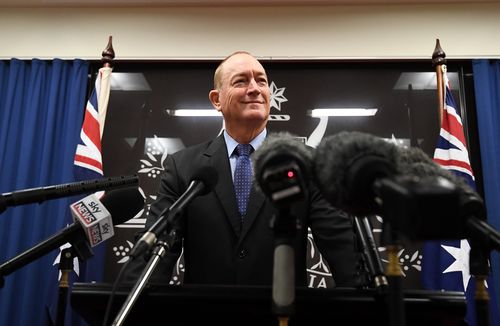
(243, 176)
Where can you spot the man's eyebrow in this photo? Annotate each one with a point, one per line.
(260, 74)
(239, 74)
(245, 74)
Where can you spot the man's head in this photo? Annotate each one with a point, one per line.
(241, 93)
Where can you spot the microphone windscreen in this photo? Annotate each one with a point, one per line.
(123, 204)
(208, 175)
(347, 164)
(281, 147)
(416, 162)
(413, 155)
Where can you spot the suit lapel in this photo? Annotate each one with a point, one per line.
(224, 189)
(255, 203)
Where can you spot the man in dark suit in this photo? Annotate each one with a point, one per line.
(223, 242)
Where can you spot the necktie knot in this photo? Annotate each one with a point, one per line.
(244, 149)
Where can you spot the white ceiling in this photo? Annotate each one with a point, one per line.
(146, 3)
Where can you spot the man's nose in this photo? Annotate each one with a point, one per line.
(253, 87)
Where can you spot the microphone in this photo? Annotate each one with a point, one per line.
(363, 175)
(347, 165)
(282, 165)
(416, 162)
(38, 195)
(358, 172)
(202, 182)
(120, 205)
(471, 216)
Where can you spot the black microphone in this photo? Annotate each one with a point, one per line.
(358, 172)
(40, 194)
(416, 162)
(471, 217)
(122, 204)
(346, 166)
(364, 175)
(282, 165)
(202, 182)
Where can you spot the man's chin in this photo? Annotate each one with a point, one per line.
(256, 115)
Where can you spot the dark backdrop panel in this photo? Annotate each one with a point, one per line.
(139, 132)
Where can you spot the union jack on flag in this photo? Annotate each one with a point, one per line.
(445, 264)
(88, 158)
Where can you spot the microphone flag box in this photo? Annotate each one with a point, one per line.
(94, 218)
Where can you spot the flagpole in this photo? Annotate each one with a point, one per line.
(108, 56)
(479, 252)
(67, 255)
(439, 62)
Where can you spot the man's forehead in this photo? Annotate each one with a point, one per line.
(241, 63)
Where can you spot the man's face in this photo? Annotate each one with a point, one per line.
(244, 93)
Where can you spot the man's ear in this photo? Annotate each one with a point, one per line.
(214, 98)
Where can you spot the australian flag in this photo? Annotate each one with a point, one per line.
(445, 264)
(88, 157)
(87, 165)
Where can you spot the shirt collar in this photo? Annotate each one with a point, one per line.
(231, 143)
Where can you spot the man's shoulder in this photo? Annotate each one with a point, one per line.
(201, 148)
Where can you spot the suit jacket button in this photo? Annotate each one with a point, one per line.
(242, 253)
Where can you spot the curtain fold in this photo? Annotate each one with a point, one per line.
(41, 111)
(487, 90)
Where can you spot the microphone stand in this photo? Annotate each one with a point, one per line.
(370, 254)
(478, 267)
(169, 217)
(285, 228)
(80, 246)
(394, 276)
(482, 239)
(65, 267)
(158, 253)
(414, 200)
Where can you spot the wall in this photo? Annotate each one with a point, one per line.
(383, 31)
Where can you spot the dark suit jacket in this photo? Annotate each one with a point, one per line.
(219, 248)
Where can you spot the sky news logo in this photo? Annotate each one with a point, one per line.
(86, 212)
(95, 235)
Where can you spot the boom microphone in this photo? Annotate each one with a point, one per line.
(282, 165)
(40, 194)
(348, 164)
(363, 175)
(416, 162)
(122, 205)
(202, 182)
(471, 216)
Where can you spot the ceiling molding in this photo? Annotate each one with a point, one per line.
(205, 3)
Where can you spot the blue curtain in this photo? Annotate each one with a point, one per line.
(41, 112)
(487, 90)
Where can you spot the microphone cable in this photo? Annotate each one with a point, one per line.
(113, 291)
